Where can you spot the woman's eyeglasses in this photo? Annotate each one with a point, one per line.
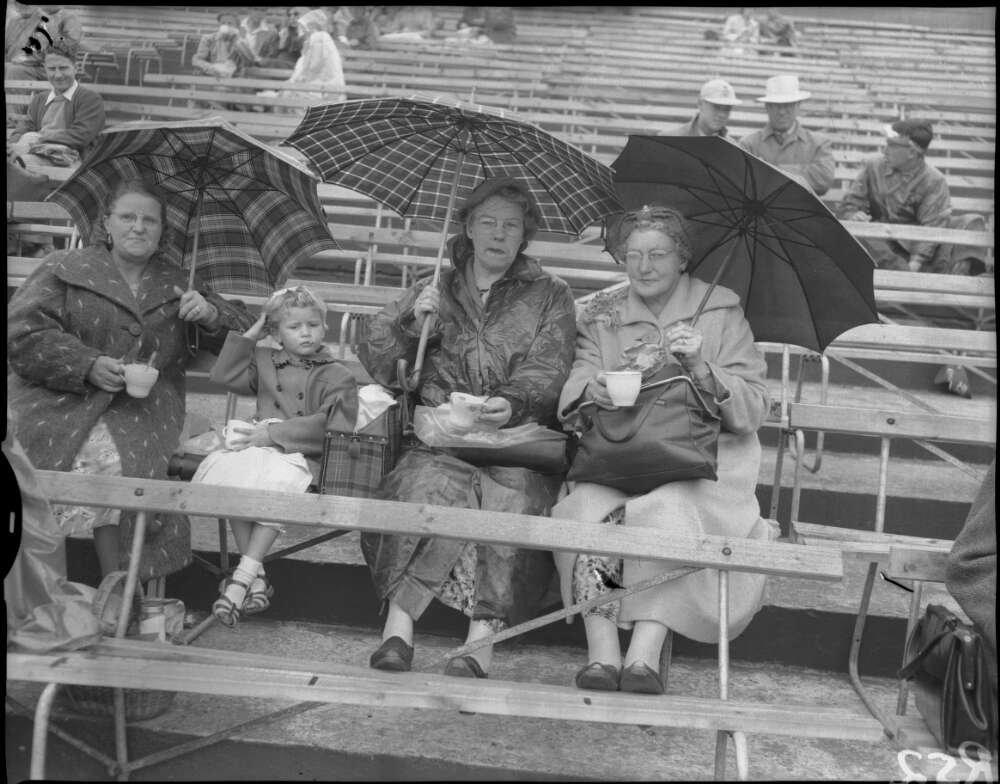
(133, 218)
(654, 256)
(486, 223)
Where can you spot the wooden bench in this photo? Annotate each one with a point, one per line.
(124, 664)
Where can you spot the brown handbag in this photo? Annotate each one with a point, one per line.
(670, 434)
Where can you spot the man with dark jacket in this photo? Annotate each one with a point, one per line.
(715, 102)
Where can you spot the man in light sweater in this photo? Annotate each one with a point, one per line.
(61, 123)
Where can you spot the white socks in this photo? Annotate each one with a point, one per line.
(247, 572)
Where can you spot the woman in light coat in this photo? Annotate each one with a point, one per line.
(647, 326)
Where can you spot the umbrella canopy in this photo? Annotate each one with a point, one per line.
(417, 157)
(407, 154)
(801, 277)
(245, 213)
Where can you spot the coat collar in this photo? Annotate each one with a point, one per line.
(93, 268)
(282, 358)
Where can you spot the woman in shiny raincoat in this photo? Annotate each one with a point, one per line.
(503, 329)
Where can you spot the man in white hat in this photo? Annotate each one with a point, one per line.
(784, 143)
(715, 101)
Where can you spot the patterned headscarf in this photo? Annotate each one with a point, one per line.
(618, 228)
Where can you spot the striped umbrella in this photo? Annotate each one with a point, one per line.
(417, 157)
(245, 213)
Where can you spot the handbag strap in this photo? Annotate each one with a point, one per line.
(909, 669)
(647, 406)
(965, 667)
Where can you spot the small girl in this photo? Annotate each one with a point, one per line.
(299, 386)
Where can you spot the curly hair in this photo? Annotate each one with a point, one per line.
(658, 217)
(506, 188)
(283, 300)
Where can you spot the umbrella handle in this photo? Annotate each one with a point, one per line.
(713, 284)
(425, 331)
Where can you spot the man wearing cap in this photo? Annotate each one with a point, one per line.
(784, 143)
(899, 186)
(715, 101)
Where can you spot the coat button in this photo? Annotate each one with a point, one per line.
(301, 396)
(278, 387)
(299, 413)
(135, 330)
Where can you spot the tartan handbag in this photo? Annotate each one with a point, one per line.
(355, 461)
(945, 657)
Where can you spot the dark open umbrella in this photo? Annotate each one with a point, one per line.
(801, 277)
(244, 212)
(418, 157)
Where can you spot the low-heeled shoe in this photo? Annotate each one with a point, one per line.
(641, 679)
(597, 677)
(465, 667)
(395, 655)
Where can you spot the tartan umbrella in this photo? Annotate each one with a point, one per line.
(801, 277)
(246, 212)
(417, 157)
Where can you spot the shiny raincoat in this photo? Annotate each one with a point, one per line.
(519, 346)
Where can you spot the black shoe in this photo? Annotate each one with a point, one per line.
(597, 677)
(394, 655)
(641, 679)
(465, 667)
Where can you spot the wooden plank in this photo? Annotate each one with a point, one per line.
(918, 338)
(172, 669)
(541, 533)
(895, 424)
(918, 563)
(863, 544)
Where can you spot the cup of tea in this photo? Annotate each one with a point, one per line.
(623, 386)
(235, 432)
(139, 378)
(464, 409)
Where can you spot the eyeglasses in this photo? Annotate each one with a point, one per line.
(149, 221)
(655, 256)
(488, 224)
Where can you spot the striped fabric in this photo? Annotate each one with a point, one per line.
(260, 214)
(405, 154)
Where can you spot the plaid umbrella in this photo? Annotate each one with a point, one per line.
(418, 156)
(246, 212)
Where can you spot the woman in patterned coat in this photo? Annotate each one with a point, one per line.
(503, 329)
(72, 326)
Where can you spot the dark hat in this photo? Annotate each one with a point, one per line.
(920, 132)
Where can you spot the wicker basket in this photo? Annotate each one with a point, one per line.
(140, 704)
(99, 700)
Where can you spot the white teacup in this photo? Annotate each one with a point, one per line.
(464, 409)
(235, 432)
(139, 378)
(623, 386)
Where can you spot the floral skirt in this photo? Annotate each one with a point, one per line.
(459, 589)
(594, 575)
(99, 456)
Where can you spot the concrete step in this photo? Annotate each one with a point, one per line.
(500, 746)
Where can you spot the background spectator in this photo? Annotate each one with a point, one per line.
(783, 142)
(320, 61)
(223, 53)
(715, 102)
(61, 123)
(738, 30)
(498, 24)
(777, 29)
(257, 32)
(29, 31)
(899, 186)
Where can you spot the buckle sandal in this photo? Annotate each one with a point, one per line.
(255, 601)
(597, 677)
(225, 609)
(258, 601)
